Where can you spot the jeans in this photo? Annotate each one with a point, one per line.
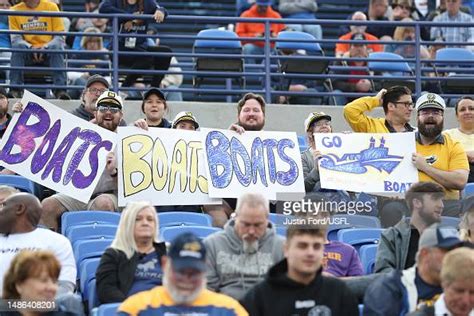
(20, 59)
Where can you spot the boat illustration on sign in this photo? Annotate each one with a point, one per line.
(376, 157)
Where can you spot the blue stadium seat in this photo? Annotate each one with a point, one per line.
(463, 58)
(281, 230)
(302, 143)
(368, 253)
(356, 220)
(359, 236)
(168, 219)
(468, 190)
(387, 69)
(21, 183)
(90, 248)
(450, 221)
(69, 219)
(278, 219)
(86, 274)
(167, 234)
(108, 309)
(84, 232)
(92, 298)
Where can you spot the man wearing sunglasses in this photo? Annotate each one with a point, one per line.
(108, 115)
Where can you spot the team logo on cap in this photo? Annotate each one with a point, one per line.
(191, 249)
(111, 94)
(431, 97)
(192, 246)
(189, 113)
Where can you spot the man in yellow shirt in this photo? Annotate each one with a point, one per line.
(397, 104)
(438, 157)
(37, 44)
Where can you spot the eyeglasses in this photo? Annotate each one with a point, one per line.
(96, 91)
(112, 109)
(407, 104)
(427, 112)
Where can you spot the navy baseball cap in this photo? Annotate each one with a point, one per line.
(440, 237)
(187, 251)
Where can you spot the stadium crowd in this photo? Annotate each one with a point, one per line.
(250, 265)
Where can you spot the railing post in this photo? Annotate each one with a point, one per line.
(417, 60)
(115, 57)
(267, 50)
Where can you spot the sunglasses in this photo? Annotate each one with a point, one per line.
(105, 108)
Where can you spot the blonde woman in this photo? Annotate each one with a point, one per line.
(406, 33)
(133, 262)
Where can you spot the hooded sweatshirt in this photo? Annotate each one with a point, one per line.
(280, 295)
(232, 271)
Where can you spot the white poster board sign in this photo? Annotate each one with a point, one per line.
(55, 148)
(264, 162)
(361, 162)
(164, 166)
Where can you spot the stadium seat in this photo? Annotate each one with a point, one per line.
(86, 274)
(368, 254)
(167, 234)
(356, 220)
(450, 221)
(460, 58)
(69, 219)
(468, 190)
(90, 248)
(168, 219)
(359, 236)
(215, 41)
(92, 298)
(396, 67)
(84, 232)
(295, 41)
(278, 219)
(108, 309)
(281, 230)
(302, 143)
(21, 183)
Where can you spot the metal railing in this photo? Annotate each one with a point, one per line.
(260, 77)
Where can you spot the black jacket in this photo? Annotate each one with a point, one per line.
(279, 295)
(114, 276)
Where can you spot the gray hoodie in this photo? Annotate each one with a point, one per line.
(233, 272)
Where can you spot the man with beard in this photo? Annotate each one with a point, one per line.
(398, 244)
(438, 157)
(250, 117)
(184, 286)
(5, 118)
(240, 255)
(108, 115)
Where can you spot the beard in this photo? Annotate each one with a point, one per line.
(432, 130)
(253, 127)
(250, 247)
(177, 295)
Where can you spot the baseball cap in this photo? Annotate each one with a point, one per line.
(185, 116)
(439, 236)
(263, 2)
(430, 101)
(358, 37)
(110, 98)
(314, 117)
(187, 251)
(97, 78)
(150, 92)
